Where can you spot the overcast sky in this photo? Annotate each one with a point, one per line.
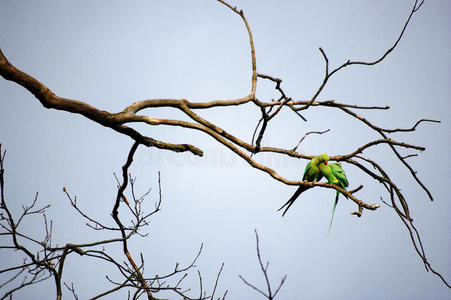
(112, 53)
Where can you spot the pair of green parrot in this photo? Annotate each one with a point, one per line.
(314, 171)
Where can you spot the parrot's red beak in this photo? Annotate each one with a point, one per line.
(325, 162)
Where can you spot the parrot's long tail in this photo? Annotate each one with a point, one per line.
(333, 212)
(293, 198)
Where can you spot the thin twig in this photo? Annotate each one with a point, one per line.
(305, 135)
(264, 268)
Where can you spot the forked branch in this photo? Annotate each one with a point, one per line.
(269, 294)
(269, 109)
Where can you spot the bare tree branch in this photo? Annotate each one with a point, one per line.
(264, 268)
(50, 259)
(305, 135)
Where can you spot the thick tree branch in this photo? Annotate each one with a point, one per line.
(269, 110)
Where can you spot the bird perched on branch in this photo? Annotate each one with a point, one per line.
(311, 174)
(334, 175)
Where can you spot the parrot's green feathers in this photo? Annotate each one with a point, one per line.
(335, 175)
(327, 172)
(340, 174)
(324, 157)
(307, 168)
(311, 173)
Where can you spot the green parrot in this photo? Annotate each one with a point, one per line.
(335, 175)
(311, 173)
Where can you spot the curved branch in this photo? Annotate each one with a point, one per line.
(120, 195)
(327, 103)
(152, 103)
(117, 122)
(402, 159)
(251, 42)
(49, 100)
(327, 75)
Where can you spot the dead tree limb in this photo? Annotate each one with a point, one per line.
(134, 113)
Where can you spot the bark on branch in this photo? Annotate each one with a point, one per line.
(246, 150)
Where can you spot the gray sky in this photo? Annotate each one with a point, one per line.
(110, 54)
